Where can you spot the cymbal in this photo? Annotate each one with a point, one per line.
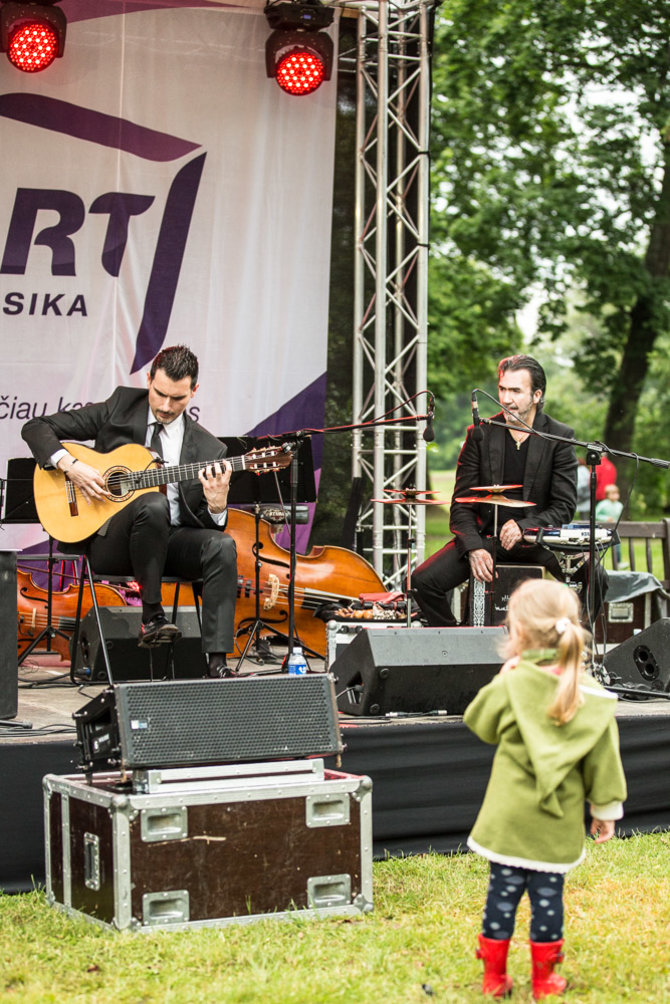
(412, 501)
(411, 496)
(495, 500)
(494, 488)
(408, 492)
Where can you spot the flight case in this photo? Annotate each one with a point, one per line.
(206, 846)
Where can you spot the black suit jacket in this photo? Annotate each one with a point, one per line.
(550, 480)
(122, 419)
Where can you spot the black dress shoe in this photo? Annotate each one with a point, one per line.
(158, 631)
(218, 669)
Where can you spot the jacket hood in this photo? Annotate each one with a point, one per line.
(553, 749)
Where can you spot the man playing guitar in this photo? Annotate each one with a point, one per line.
(180, 533)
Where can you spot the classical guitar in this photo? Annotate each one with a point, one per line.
(128, 471)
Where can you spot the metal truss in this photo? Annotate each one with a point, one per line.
(390, 350)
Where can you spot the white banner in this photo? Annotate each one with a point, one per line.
(157, 189)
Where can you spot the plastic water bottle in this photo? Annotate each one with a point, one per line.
(297, 666)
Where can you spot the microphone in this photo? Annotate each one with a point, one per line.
(477, 433)
(429, 431)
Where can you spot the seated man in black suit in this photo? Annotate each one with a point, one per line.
(181, 533)
(493, 455)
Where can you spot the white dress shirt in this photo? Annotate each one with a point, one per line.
(172, 437)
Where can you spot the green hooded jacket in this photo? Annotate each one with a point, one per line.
(532, 815)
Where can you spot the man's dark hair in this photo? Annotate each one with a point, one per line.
(177, 362)
(538, 378)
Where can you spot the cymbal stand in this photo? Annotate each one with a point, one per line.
(408, 575)
(483, 600)
(491, 590)
(409, 497)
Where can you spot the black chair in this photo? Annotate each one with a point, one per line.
(87, 575)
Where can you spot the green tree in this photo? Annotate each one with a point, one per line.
(551, 169)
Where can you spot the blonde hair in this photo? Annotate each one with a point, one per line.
(546, 614)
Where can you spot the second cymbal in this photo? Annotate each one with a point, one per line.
(495, 500)
(493, 488)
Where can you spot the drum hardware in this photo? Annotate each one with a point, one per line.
(496, 498)
(410, 497)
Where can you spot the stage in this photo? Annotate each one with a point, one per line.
(428, 772)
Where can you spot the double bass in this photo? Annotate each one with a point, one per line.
(326, 575)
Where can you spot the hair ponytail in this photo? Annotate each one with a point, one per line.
(570, 655)
(546, 614)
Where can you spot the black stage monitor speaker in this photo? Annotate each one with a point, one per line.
(188, 722)
(120, 626)
(9, 667)
(416, 670)
(644, 660)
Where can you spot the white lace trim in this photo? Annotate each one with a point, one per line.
(514, 862)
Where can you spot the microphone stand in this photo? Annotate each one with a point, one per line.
(293, 561)
(299, 436)
(428, 436)
(256, 630)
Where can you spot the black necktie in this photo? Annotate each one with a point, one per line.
(156, 445)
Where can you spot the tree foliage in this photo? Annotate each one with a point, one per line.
(551, 171)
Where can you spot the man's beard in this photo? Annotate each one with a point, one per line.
(519, 417)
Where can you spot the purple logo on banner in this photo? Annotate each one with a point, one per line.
(104, 130)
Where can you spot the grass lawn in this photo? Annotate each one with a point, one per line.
(417, 944)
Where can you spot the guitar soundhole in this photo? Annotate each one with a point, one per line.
(118, 483)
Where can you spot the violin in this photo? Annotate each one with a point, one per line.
(326, 575)
(32, 610)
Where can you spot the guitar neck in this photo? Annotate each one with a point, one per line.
(170, 475)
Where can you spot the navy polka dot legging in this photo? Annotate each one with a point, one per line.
(507, 886)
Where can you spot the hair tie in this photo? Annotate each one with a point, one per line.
(562, 625)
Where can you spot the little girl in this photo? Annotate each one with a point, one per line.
(558, 746)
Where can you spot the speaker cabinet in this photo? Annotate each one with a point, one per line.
(9, 669)
(188, 722)
(644, 659)
(416, 670)
(120, 626)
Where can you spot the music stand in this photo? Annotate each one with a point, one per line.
(20, 508)
(248, 489)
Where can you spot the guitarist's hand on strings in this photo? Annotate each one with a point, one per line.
(215, 481)
(89, 481)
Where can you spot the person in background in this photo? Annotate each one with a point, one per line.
(557, 747)
(609, 509)
(583, 507)
(605, 475)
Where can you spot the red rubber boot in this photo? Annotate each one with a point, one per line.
(496, 982)
(545, 955)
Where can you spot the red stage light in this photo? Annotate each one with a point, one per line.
(32, 34)
(33, 47)
(298, 53)
(300, 72)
